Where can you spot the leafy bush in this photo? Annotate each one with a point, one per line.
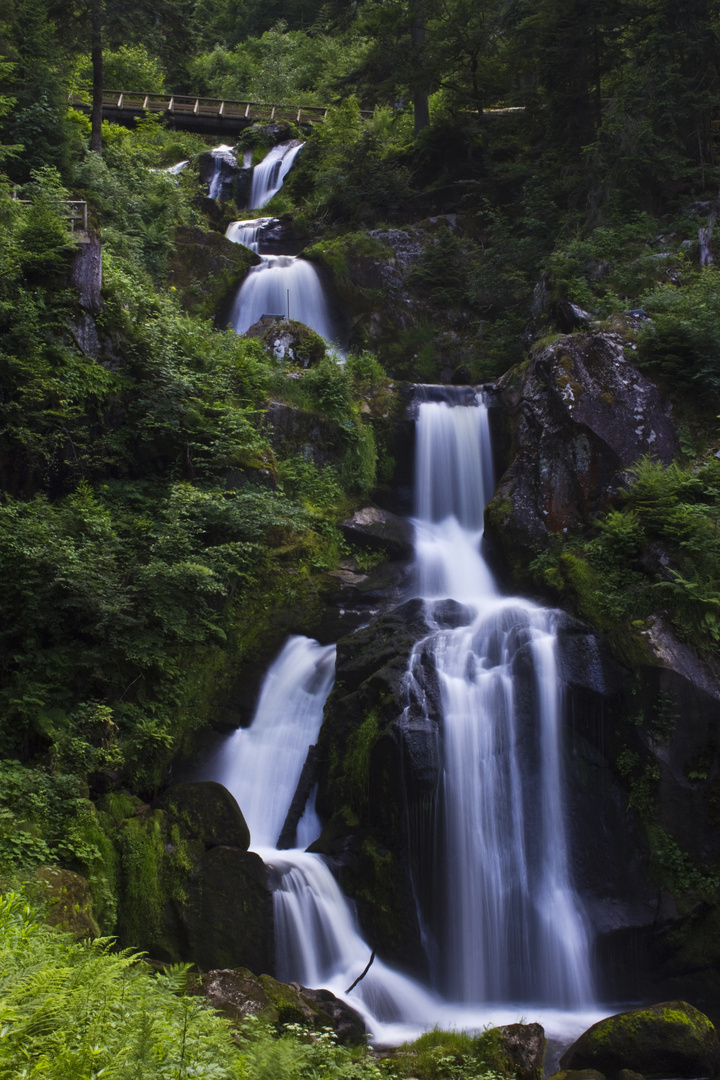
(683, 340)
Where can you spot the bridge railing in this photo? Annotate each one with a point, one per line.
(216, 108)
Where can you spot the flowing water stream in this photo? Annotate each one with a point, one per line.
(511, 930)
(280, 285)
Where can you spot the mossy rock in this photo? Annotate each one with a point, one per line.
(670, 1039)
(578, 1074)
(238, 993)
(287, 340)
(68, 902)
(205, 269)
(206, 811)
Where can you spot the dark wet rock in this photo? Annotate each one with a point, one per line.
(287, 340)
(449, 614)
(381, 530)
(569, 317)
(227, 918)
(671, 1039)
(212, 904)
(524, 1048)
(237, 993)
(379, 773)
(307, 781)
(206, 269)
(580, 415)
(86, 274)
(206, 811)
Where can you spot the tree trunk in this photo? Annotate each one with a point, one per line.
(421, 106)
(97, 68)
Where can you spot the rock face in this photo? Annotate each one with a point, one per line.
(208, 813)
(214, 906)
(672, 1039)
(524, 1048)
(580, 416)
(379, 768)
(206, 269)
(237, 993)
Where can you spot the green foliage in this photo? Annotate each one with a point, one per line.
(77, 1010)
(682, 342)
(130, 67)
(611, 268)
(46, 817)
(610, 575)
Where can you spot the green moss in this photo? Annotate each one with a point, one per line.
(355, 782)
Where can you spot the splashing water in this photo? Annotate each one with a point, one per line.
(511, 928)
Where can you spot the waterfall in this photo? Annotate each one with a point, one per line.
(512, 926)
(261, 765)
(286, 286)
(511, 929)
(280, 285)
(269, 175)
(248, 232)
(220, 154)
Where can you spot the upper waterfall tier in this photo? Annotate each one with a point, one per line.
(269, 175)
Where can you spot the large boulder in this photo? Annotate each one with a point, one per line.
(206, 811)
(190, 889)
(237, 993)
(287, 340)
(379, 530)
(523, 1046)
(205, 270)
(580, 416)
(671, 1039)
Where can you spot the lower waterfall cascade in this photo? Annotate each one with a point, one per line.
(512, 930)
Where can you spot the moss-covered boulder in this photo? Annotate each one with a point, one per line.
(670, 1039)
(205, 270)
(68, 902)
(189, 888)
(206, 811)
(237, 993)
(287, 340)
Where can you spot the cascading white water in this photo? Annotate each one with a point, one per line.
(512, 926)
(269, 175)
(281, 285)
(247, 232)
(287, 286)
(512, 930)
(261, 765)
(220, 154)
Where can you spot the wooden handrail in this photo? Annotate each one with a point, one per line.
(205, 106)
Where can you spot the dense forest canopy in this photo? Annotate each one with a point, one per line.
(150, 531)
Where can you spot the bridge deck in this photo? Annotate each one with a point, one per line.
(201, 113)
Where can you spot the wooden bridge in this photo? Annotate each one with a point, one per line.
(216, 116)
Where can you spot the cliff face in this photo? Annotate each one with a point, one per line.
(577, 416)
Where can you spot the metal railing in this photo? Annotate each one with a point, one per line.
(215, 108)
